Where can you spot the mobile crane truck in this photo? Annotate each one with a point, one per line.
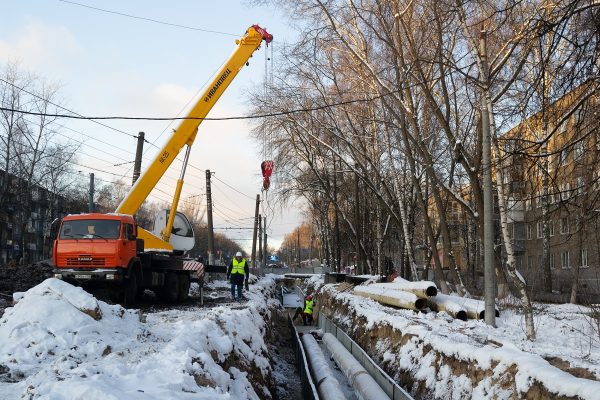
(111, 250)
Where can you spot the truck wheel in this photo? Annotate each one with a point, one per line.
(170, 291)
(184, 286)
(131, 289)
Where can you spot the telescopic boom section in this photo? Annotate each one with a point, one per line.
(186, 132)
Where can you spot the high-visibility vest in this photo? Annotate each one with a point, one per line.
(238, 267)
(308, 307)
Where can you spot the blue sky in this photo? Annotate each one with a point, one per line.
(109, 64)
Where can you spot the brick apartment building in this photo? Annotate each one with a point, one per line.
(24, 237)
(567, 153)
(557, 168)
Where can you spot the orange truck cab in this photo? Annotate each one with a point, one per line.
(94, 246)
(104, 250)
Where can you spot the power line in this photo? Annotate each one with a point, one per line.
(232, 188)
(149, 19)
(234, 118)
(78, 116)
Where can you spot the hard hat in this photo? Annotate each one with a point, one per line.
(238, 254)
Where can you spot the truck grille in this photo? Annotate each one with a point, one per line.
(86, 261)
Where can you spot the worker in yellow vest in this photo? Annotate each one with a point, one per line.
(307, 312)
(237, 273)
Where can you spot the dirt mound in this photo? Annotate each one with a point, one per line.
(23, 277)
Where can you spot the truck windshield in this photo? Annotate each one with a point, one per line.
(90, 229)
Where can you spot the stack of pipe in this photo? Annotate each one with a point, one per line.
(422, 289)
(475, 309)
(420, 294)
(391, 296)
(357, 375)
(442, 302)
(327, 386)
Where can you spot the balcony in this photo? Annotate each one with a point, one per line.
(515, 211)
(518, 246)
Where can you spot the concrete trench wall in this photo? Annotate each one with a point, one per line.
(414, 362)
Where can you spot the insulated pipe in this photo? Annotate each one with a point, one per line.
(357, 375)
(422, 289)
(391, 297)
(475, 308)
(446, 303)
(327, 386)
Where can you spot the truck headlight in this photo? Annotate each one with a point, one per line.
(110, 276)
(58, 276)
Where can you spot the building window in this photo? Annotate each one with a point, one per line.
(551, 228)
(579, 150)
(564, 155)
(580, 185)
(551, 260)
(565, 191)
(596, 184)
(564, 260)
(527, 204)
(530, 262)
(564, 225)
(540, 229)
(529, 232)
(584, 258)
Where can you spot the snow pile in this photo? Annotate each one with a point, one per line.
(59, 342)
(447, 358)
(315, 282)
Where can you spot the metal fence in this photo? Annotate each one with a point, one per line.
(309, 391)
(389, 386)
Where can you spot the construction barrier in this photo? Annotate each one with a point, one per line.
(389, 386)
(309, 391)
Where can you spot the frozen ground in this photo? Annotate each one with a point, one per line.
(59, 342)
(567, 348)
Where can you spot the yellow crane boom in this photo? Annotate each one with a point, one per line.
(186, 133)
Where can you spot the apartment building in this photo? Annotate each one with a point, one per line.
(25, 228)
(552, 178)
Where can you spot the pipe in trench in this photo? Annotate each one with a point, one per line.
(327, 386)
(358, 376)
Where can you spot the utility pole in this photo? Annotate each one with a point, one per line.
(260, 249)
(489, 273)
(299, 264)
(358, 270)
(91, 205)
(264, 263)
(337, 253)
(137, 164)
(211, 246)
(254, 264)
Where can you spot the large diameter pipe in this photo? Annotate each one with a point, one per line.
(357, 375)
(391, 297)
(422, 289)
(327, 386)
(475, 308)
(446, 303)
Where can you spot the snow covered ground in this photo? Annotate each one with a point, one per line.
(59, 342)
(564, 360)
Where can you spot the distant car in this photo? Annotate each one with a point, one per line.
(275, 266)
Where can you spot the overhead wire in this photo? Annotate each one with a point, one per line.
(232, 118)
(109, 163)
(156, 21)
